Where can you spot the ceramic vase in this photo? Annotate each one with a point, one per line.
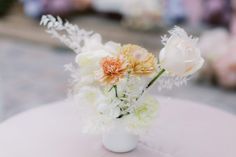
(119, 140)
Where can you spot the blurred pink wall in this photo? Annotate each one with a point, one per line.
(194, 10)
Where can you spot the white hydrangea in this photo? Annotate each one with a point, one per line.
(143, 115)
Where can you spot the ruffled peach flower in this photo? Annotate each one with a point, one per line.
(113, 68)
(141, 62)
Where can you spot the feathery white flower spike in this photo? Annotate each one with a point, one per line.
(71, 35)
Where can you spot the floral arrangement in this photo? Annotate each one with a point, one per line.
(111, 81)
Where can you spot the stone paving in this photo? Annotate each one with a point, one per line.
(31, 75)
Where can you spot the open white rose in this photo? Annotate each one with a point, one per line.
(112, 47)
(180, 56)
(89, 59)
(89, 64)
(94, 43)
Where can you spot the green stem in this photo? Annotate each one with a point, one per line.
(151, 82)
(115, 87)
(122, 115)
(155, 78)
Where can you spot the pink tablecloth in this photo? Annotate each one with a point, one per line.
(183, 129)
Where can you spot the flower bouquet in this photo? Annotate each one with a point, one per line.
(111, 81)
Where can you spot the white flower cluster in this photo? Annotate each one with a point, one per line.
(110, 80)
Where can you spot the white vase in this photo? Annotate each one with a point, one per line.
(119, 140)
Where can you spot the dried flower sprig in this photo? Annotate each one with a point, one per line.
(71, 35)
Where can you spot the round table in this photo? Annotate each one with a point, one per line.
(182, 129)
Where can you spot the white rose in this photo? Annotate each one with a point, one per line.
(90, 59)
(112, 47)
(89, 63)
(94, 43)
(180, 56)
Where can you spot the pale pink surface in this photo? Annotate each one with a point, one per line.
(183, 129)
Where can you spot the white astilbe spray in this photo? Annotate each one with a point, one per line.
(71, 35)
(73, 70)
(168, 82)
(75, 77)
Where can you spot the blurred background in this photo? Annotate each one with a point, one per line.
(32, 63)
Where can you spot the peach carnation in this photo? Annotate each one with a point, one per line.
(141, 62)
(113, 68)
